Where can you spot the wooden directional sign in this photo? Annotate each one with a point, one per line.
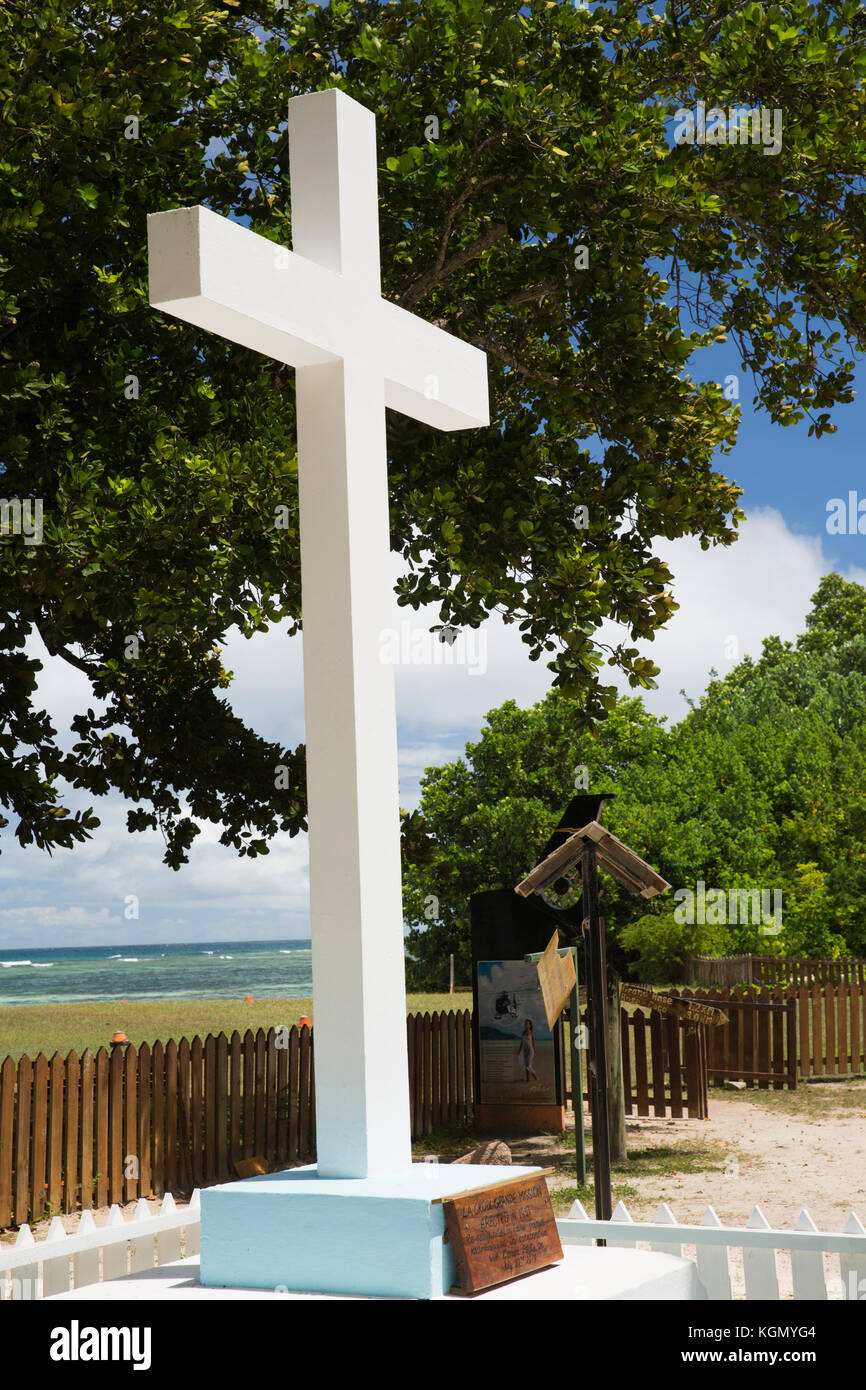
(556, 977)
(664, 1004)
(500, 1233)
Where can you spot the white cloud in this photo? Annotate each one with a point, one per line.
(50, 918)
(761, 585)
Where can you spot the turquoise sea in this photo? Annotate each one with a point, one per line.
(176, 970)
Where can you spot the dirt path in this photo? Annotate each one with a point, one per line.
(782, 1151)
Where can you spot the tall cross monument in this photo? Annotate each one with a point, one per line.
(319, 309)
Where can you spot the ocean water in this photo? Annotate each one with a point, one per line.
(206, 970)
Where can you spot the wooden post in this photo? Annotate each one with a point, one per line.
(577, 1079)
(791, 1028)
(596, 1008)
(616, 1115)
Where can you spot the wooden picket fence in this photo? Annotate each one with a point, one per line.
(664, 1066)
(758, 1044)
(716, 973)
(85, 1131)
(441, 1092)
(111, 1127)
(768, 971)
(671, 1073)
(775, 1036)
(832, 1030)
(141, 1121)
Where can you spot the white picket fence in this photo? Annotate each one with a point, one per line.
(95, 1253)
(815, 1256)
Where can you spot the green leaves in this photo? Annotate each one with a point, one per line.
(758, 787)
(553, 134)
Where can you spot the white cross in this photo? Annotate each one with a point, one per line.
(319, 309)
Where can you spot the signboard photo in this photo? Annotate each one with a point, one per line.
(517, 1063)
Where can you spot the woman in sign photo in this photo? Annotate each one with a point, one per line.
(526, 1050)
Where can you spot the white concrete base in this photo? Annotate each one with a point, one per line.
(296, 1229)
(585, 1275)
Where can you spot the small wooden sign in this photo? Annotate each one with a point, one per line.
(557, 979)
(664, 1004)
(501, 1233)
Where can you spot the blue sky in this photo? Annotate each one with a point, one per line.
(785, 469)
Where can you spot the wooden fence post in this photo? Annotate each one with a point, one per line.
(7, 1113)
(625, 1053)
(304, 1126)
(57, 1085)
(130, 1120)
(271, 1056)
(221, 1108)
(157, 1064)
(638, 1020)
(856, 1033)
(145, 1121)
(209, 1109)
(171, 1134)
(196, 1066)
(693, 1071)
(791, 1021)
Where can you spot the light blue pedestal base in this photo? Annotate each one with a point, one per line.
(297, 1231)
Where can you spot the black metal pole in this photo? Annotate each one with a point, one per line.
(596, 1007)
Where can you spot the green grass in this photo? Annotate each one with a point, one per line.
(563, 1197)
(452, 1140)
(811, 1100)
(50, 1028)
(686, 1156)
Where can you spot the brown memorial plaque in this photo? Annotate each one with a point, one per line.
(500, 1233)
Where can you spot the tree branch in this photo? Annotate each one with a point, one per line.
(713, 29)
(57, 649)
(510, 360)
(436, 274)
(530, 293)
(711, 32)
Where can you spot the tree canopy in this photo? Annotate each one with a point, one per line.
(532, 201)
(759, 786)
